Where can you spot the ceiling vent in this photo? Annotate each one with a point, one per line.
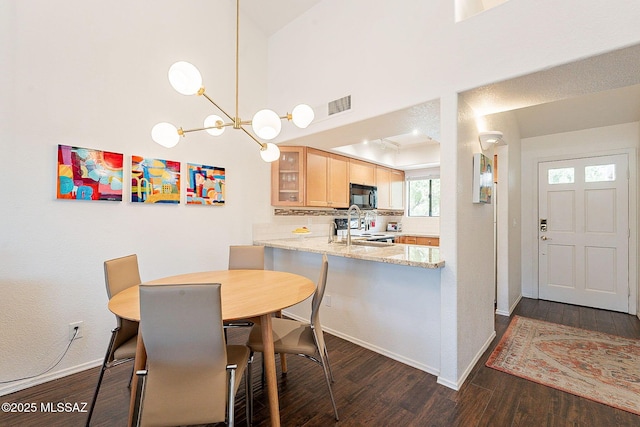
(340, 105)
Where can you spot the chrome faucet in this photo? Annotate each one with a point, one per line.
(332, 228)
(349, 222)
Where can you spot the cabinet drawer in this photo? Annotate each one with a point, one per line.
(419, 240)
(428, 241)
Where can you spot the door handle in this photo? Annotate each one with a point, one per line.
(544, 238)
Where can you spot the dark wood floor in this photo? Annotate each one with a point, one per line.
(373, 390)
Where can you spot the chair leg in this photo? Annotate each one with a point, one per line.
(139, 397)
(231, 398)
(102, 369)
(283, 363)
(327, 377)
(133, 372)
(326, 356)
(249, 391)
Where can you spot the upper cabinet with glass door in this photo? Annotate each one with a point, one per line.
(288, 177)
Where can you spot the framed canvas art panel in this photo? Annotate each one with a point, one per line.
(155, 180)
(89, 174)
(482, 178)
(206, 185)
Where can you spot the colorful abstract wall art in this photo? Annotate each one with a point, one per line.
(155, 180)
(88, 174)
(206, 185)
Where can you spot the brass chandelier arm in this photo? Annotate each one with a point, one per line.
(183, 131)
(262, 145)
(234, 120)
(238, 56)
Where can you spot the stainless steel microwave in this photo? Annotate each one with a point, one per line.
(363, 196)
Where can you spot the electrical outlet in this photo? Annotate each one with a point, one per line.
(327, 300)
(72, 330)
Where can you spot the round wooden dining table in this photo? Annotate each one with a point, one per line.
(245, 294)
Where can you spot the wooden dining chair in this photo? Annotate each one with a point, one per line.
(192, 375)
(119, 274)
(307, 340)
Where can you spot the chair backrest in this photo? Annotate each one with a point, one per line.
(121, 273)
(246, 257)
(181, 326)
(316, 302)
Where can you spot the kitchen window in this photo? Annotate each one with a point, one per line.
(423, 196)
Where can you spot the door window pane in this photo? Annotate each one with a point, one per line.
(561, 176)
(600, 173)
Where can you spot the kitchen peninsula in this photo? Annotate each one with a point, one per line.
(384, 297)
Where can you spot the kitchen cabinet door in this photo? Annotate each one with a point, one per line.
(362, 173)
(317, 178)
(338, 181)
(396, 189)
(288, 178)
(390, 188)
(384, 187)
(327, 180)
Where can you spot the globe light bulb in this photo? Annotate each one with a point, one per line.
(211, 121)
(165, 134)
(270, 152)
(266, 124)
(185, 78)
(302, 115)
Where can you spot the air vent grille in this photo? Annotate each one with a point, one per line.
(340, 105)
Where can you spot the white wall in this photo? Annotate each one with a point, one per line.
(393, 55)
(92, 74)
(584, 143)
(369, 300)
(508, 206)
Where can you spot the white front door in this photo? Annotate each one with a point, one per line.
(583, 231)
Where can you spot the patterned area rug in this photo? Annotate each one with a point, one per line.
(593, 365)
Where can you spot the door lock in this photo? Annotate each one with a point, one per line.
(543, 224)
(544, 238)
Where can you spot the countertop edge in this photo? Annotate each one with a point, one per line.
(296, 245)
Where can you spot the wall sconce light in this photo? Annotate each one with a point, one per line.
(489, 138)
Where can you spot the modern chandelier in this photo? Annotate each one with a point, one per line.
(266, 124)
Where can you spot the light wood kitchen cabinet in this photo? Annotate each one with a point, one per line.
(305, 176)
(390, 188)
(327, 179)
(397, 189)
(288, 177)
(362, 173)
(418, 240)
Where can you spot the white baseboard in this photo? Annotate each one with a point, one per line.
(513, 307)
(456, 385)
(41, 379)
(410, 362)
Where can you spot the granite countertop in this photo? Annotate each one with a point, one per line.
(411, 255)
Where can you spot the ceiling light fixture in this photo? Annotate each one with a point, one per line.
(186, 79)
(489, 138)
